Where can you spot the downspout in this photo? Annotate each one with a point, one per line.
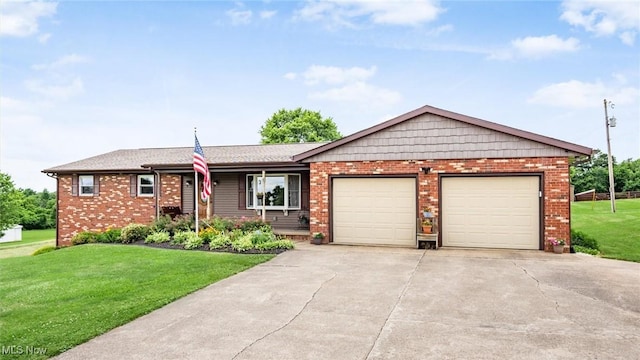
(55, 176)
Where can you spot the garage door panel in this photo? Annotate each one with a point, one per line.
(491, 212)
(376, 211)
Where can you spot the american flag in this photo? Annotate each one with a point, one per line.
(200, 166)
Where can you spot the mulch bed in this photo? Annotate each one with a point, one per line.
(205, 247)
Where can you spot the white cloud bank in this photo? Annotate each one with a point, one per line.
(20, 19)
(346, 85)
(604, 18)
(536, 47)
(58, 91)
(579, 95)
(347, 12)
(63, 61)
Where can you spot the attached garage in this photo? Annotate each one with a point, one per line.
(491, 211)
(374, 211)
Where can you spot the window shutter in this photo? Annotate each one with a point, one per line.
(96, 185)
(306, 191)
(242, 192)
(74, 185)
(133, 185)
(157, 183)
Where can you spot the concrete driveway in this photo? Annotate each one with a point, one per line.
(338, 302)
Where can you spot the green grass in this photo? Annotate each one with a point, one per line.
(618, 234)
(31, 236)
(63, 298)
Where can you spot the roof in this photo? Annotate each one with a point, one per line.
(447, 114)
(182, 157)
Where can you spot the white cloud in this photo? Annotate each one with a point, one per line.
(535, 47)
(239, 17)
(346, 12)
(604, 18)
(20, 19)
(267, 14)
(577, 94)
(7, 103)
(290, 76)
(346, 85)
(540, 46)
(42, 39)
(628, 37)
(359, 92)
(334, 75)
(56, 92)
(65, 60)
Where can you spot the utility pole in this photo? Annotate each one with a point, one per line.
(610, 123)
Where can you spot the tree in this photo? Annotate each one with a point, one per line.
(298, 126)
(594, 174)
(10, 200)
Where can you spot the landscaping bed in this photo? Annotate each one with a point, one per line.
(233, 235)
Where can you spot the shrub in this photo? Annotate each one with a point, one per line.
(180, 237)
(276, 244)
(208, 234)
(242, 243)
(220, 241)
(585, 250)
(135, 232)
(260, 237)
(222, 224)
(193, 241)
(85, 237)
(110, 236)
(157, 237)
(44, 250)
(163, 223)
(578, 238)
(248, 225)
(184, 223)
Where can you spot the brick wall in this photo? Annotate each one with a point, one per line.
(555, 170)
(114, 206)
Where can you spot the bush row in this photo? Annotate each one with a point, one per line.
(241, 235)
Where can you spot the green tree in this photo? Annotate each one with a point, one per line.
(10, 200)
(594, 174)
(298, 126)
(38, 210)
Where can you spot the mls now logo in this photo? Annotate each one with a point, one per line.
(22, 350)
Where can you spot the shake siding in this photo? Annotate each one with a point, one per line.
(225, 203)
(434, 137)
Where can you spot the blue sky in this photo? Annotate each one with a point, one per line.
(79, 79)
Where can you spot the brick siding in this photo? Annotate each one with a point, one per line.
(556, 185)
(112, 208)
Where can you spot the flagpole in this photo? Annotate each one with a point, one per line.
(195, 191)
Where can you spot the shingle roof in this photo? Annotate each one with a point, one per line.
(451, 115)
(134, 159)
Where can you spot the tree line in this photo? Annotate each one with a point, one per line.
(594, 174)
(29, 208)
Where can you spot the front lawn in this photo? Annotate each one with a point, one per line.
(60, 299)
(618, 234)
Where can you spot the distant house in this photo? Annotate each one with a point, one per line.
(490, 186)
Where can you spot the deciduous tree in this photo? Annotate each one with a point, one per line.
(298, 126)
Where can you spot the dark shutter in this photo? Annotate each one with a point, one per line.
(133, 185)
(306, 191)
(96, 185)
(157, 183)
(242, 192)
(74, 185)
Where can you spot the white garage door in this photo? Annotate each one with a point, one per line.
(491, 212)
(374, 211)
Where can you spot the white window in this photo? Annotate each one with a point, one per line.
(145, 185)
(85, 185)
(279, 192)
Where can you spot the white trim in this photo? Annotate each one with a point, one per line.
(93, 185)
(152, 186)
(254, 198)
